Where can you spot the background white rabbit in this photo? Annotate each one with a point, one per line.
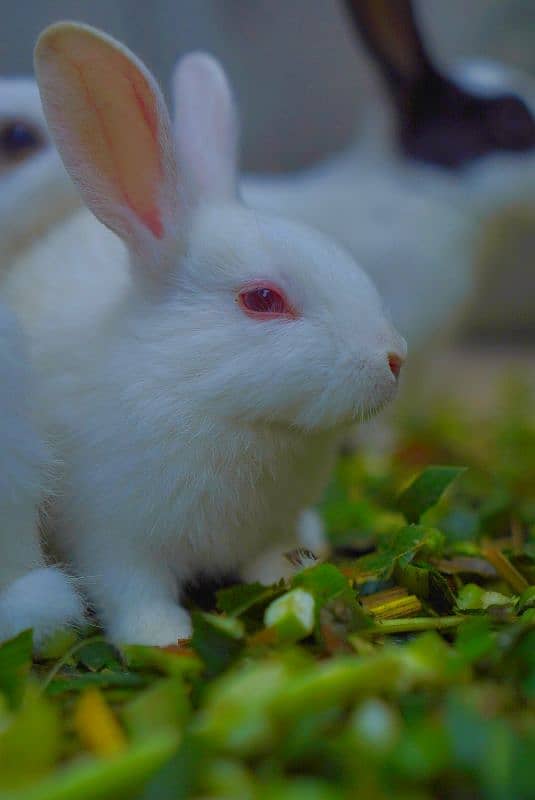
(200, 412)
(32, 594)
(408, 197)
(35, 191)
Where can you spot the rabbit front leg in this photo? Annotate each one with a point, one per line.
(20, 547)
(136, 597)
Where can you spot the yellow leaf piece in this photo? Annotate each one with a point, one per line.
(97, 726)
(503, 567)
(392, 603)
(371, 601)
(396, 609)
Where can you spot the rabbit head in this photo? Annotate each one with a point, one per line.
(252, 317)
(35, 191)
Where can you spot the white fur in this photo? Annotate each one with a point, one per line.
(192, 435)
(31, 595)
(23, 457)
(414, 227)
(43, 599)
(311, 533)
(35, 193)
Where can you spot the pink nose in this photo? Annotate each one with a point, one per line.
(395, 363)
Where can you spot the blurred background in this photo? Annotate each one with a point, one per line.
(299, 74)
(303, 84)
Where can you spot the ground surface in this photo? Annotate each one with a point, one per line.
(404, 668)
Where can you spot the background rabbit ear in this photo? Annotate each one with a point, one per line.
(206, 129)
(113, 132)
(390, 30)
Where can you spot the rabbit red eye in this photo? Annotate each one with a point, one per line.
(264, 300)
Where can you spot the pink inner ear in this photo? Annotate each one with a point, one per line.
(153, 221)
(151, 215)
(114, 134)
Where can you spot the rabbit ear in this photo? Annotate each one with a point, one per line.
(206, 129)
(112, 129)
(390, 31)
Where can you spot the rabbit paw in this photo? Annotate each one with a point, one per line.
(43, 599)
(158, 625)
(283, 560)
(311, 533)
(277, 563)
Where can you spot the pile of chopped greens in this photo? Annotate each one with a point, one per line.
(402, 668)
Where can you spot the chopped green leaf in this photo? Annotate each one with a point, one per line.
(15, 664)
(426, 490)
(474, 598)
(236, 600)
(37, 722)
(291, 616)
(104, 679)
(218, 640)
(99, 655)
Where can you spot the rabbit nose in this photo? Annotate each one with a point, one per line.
(395, 362)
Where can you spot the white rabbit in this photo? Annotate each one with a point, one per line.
(198, 414)
(33, 186)
(32, 594)
(409, 196)
(35, 191)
